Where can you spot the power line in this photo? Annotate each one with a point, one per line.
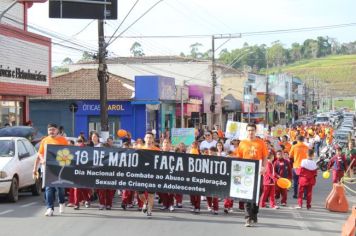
(149, 9)
(253, 33)
(123, 21)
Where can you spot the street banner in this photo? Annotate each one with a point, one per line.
(153, 171)
(182, 135)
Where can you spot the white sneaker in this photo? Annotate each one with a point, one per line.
(210, 209)
(49, 212)
(61, 208)
(171, 208)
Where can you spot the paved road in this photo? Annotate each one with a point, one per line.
(26, 218)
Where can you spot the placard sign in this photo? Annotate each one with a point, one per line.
(154, 171)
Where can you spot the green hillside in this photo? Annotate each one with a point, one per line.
(338, 73)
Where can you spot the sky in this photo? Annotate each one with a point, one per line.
(200, 17)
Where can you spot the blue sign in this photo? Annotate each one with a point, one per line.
(154, 88)
(114, 108)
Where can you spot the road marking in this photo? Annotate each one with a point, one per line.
(5, 212)
(29, 204)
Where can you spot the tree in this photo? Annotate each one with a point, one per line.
(194, 50)
(136, 50)
(67, 61)
(310, 49)
(86, 56)
(295, 52)
(324, 46)
(276, 55)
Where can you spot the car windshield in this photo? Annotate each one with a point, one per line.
(322, 119)
(7, 148)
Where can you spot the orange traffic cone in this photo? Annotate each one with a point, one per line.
(336, 201)
(348, 229)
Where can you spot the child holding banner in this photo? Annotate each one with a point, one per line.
(149, 200)
(213, 202)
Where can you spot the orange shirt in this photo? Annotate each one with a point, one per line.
(298, 152)
(154, 148)
(287, 146)
(194, 151)
(59, 140)
(254, 150)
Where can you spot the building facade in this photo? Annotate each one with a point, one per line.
(25, 65)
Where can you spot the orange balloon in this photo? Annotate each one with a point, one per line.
(284, 183)
(121, 133)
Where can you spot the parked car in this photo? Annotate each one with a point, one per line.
(27, 132)
(17, 156)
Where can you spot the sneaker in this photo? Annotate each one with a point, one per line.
(179, 205)
(61, 208)
(215, 213)
(171, 208)
(130, 206)
(108, 208)
(144, 208)
(248, 223)
(70, 205)
(76, 207)
(101, 207)
(298, 207)
(275, 207)
(231, 210)
(87, 204)
(149, 214)
(163, 208)
(196, 210)
(226, 211)
(123, 206)
(209, 209)
(49, 212)
(283, 204)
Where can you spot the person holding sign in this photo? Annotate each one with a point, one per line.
(255, 149)
(148, 201)
(52, 138)
(208, 142)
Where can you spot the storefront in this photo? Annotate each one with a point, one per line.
(158, 94)
(25, 65)
(74, 103)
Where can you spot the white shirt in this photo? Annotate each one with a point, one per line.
(207, 145)
(308, 164)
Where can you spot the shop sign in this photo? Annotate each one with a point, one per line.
(23, 62)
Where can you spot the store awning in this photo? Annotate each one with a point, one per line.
(145, 102)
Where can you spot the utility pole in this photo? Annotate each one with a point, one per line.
(267, 94)
(213, 74)
(213, 80)
(103, 80)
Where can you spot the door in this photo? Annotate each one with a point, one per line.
(25, 165)
(113, 122)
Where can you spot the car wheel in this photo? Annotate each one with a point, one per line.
(14, 190)
(37, 187)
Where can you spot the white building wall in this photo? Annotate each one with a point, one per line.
(16, 13)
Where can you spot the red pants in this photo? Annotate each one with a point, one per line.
(337, 175)
(167, 199)
(241, 205)
(268, 191)
(106, 196)
(281, 192)
(195, 201)
(71, 199)
(127, 196)
(228, 203)
(309, 193)
(213, 202)
(81, 194)
(179, 198)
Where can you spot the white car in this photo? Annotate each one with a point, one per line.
(17, 157)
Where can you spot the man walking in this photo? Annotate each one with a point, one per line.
(298, 153)
(252, 148)
(52, 138)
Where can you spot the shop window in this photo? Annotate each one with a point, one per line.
(113, 122)
(11, 113)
